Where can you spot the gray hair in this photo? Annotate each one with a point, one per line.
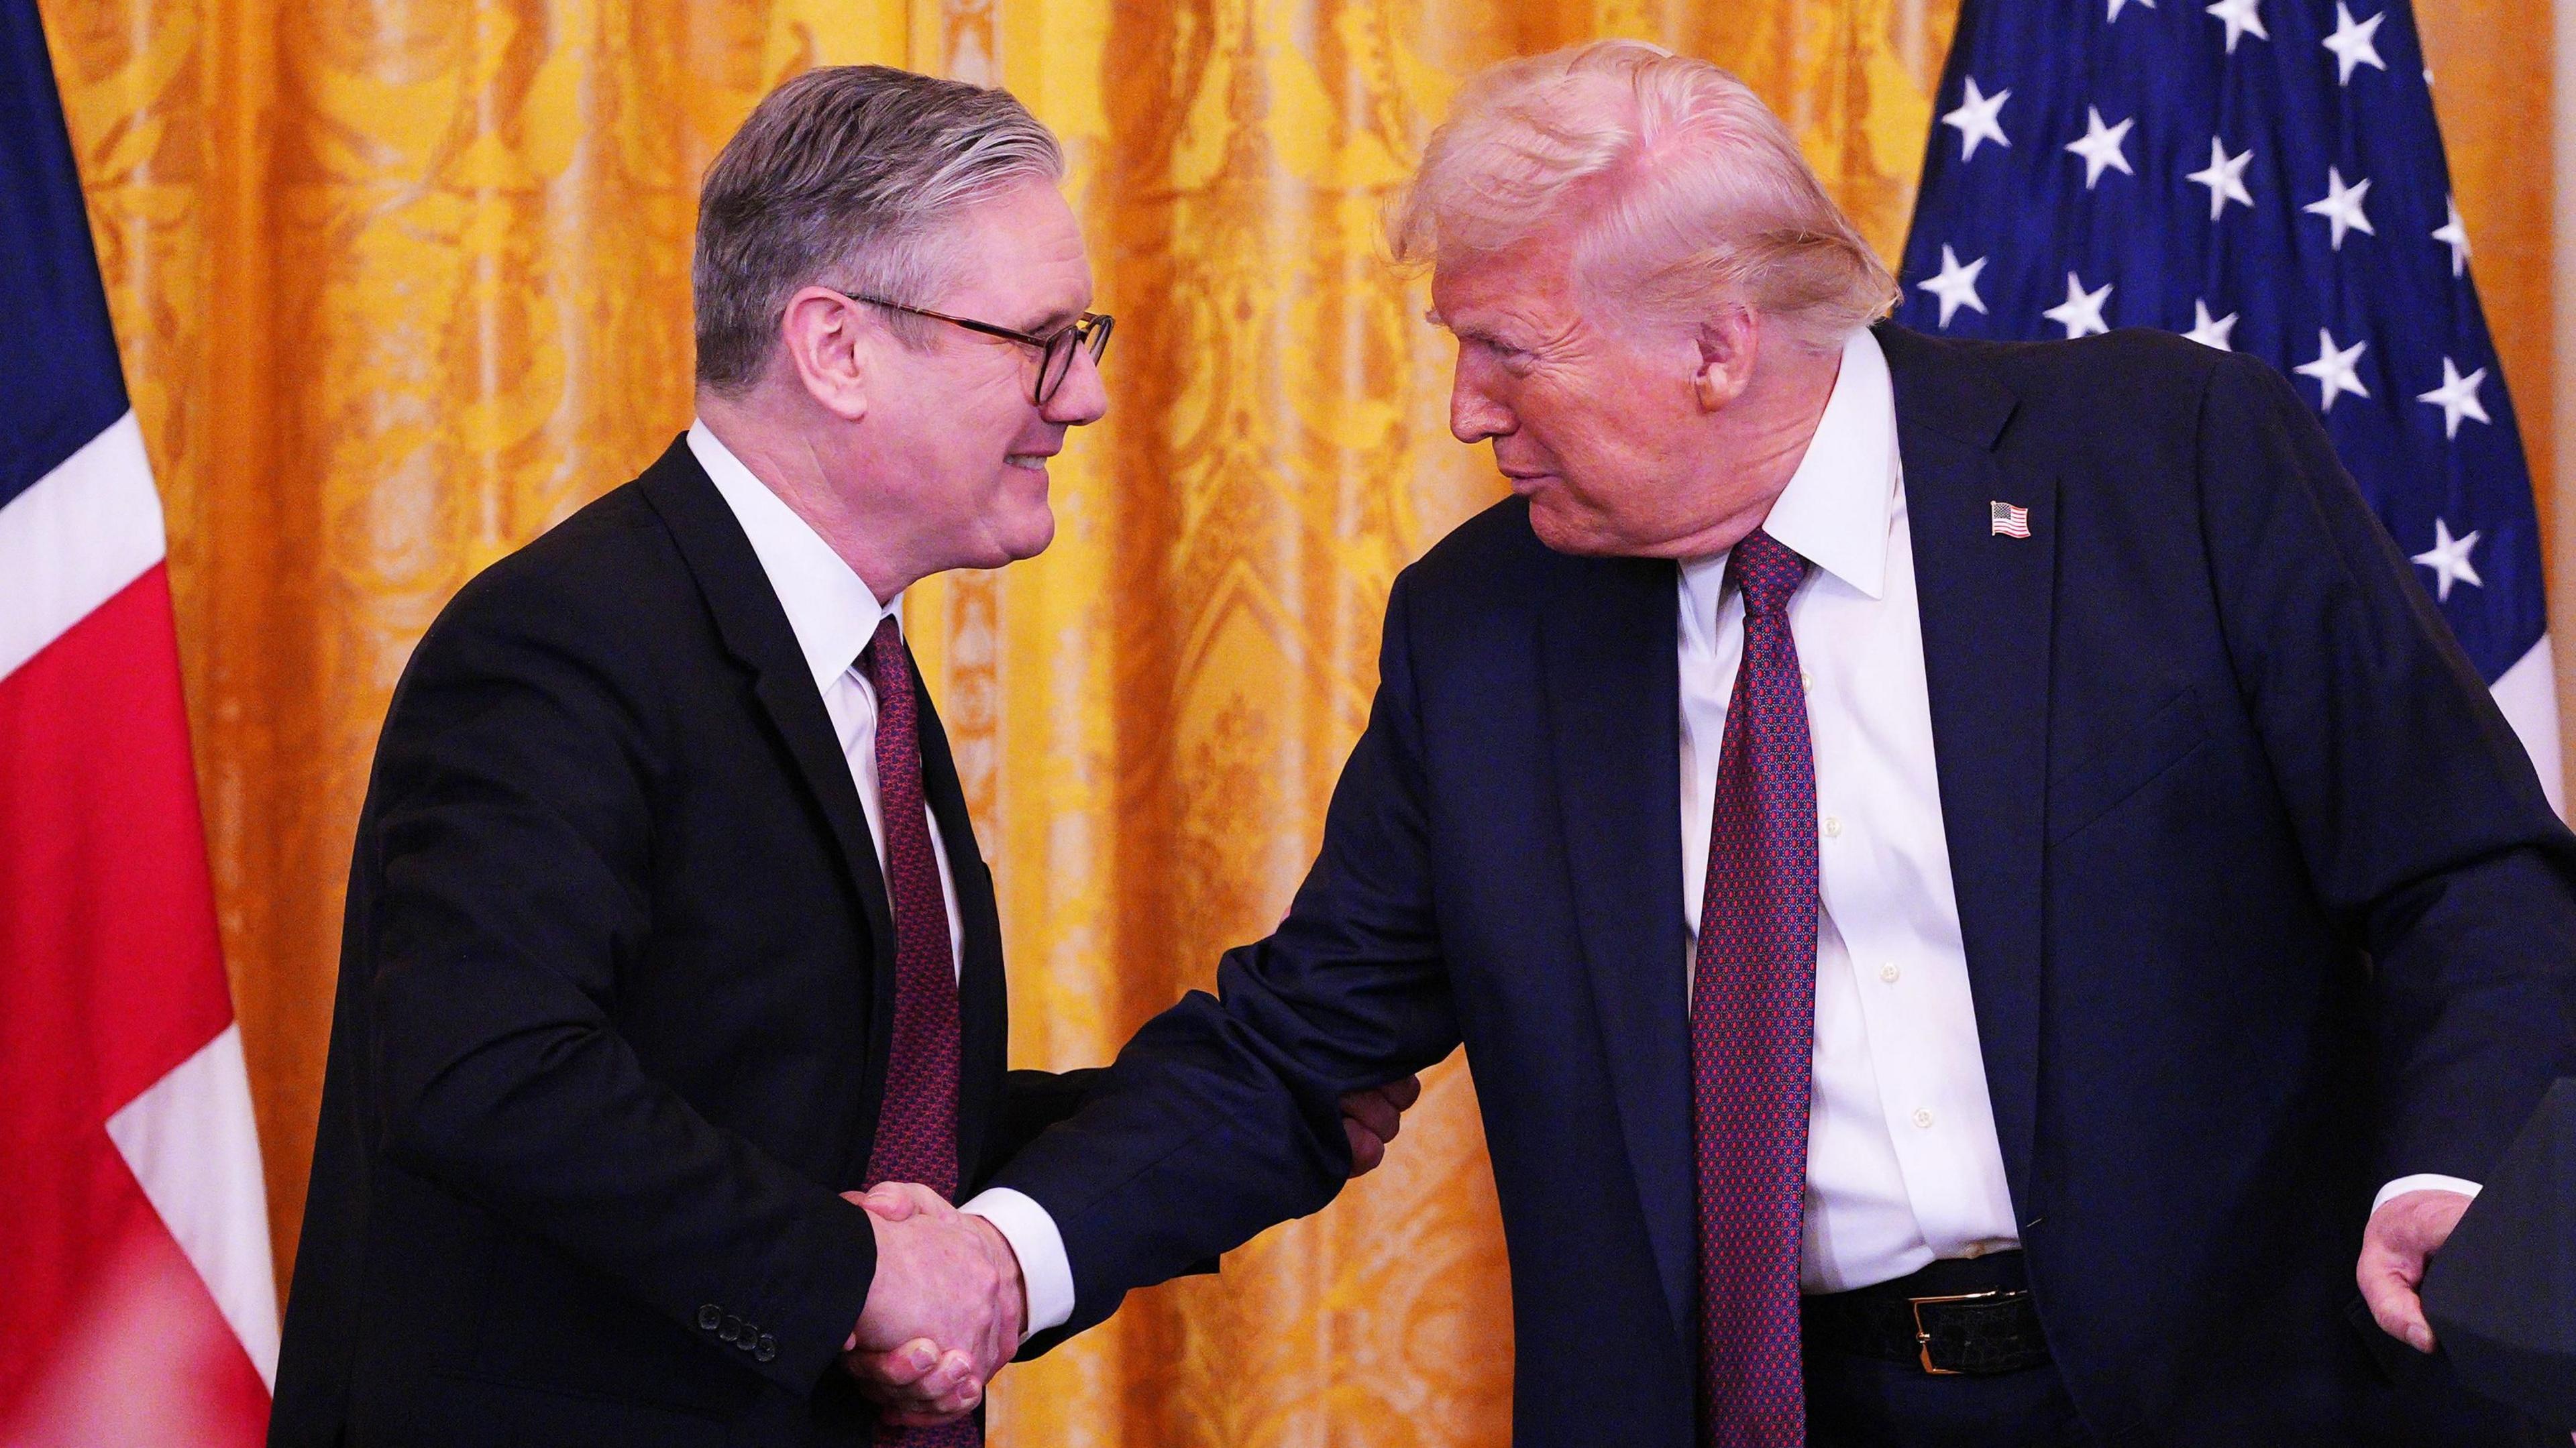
(1678, 186)
(850, 177)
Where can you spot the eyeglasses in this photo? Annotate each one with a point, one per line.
(1089, 331)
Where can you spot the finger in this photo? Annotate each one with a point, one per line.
(954, 1374)
(889, 1205)
(915, 1196)
(2390, 1293)
(1373, 1112)
(1403, 1093)
(900, 1367)
(1366, 1150)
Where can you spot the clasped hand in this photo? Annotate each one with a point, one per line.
(948, 1305)
(944, 1313)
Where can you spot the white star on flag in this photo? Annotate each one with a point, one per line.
(1976, 121)
(2342, 206)
(2100, 147)
(2455, 235)
(2457, 397)
(2116, 4)
(2081, 313)
(1956, 286)
(2225, 177)
(2449, 560)
(2335, 371)
(2242, 18)
(2208, 332)
(2352, 43)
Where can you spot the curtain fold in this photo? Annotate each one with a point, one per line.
(400, 284)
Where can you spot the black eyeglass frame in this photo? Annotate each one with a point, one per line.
(1055, 350)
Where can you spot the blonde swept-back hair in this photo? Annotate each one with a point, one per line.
(1677, 186)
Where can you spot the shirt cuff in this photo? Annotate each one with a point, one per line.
(1046, 1275)
(2421, 1182)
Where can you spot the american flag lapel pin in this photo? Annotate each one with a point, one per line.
(2009, 521)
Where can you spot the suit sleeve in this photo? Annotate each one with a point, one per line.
(1222, 1116)
(512, 838)
(2416, 807)
(1032, 1101)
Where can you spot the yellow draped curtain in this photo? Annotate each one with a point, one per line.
(402, 283)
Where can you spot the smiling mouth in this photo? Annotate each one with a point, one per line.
(1034, 462)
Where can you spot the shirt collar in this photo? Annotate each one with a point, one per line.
(1835, 511)
(829, 608)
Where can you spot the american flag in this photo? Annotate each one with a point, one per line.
(134, 1256)
(2266, 176)
(2009, 521)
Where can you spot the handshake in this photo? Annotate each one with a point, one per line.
(946, 1310)
(948, 1307)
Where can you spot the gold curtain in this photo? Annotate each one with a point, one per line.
(402, 283)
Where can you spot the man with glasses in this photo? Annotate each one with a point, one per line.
(667, 931)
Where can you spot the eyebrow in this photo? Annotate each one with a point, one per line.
(1056, 320)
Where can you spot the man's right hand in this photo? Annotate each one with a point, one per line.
(944, 1313)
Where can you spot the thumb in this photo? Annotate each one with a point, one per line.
(883, 1201)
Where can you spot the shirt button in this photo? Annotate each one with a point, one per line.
(1806, 680)
(1889, 972)
(1833, 826)
(1923, 1118)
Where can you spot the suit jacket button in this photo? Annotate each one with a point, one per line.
(732, 1328)
(709, 1316)
(768, 1348)
(750, 1337)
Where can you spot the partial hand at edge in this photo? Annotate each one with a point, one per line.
(1371, 1118)
(2402, 1236)
(944, 1313)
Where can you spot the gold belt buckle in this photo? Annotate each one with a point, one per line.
(1923, 1335)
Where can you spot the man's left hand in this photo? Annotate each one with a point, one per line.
(2402, 1236)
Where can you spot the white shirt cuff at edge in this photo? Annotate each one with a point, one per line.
(1045, 1273)
(2421, 1182)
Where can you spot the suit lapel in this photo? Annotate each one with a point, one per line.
(755, 630)
(1609, 644)
(983, 1002)
(1986, 601)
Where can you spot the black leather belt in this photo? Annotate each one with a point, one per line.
(1956, 1316)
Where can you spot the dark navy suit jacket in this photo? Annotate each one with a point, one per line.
(616, 989)
(2263, 907)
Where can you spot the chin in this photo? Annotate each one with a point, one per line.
(1568, 529)
(1026, 533)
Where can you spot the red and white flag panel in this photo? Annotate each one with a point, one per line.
(134, 1253)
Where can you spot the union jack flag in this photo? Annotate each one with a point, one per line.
(2266, 176)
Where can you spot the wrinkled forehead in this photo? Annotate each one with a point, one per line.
(1533, 277)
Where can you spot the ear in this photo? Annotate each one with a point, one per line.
(832, 344)
(1727, 342)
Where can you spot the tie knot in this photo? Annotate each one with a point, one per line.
(1766, 571)
(883, 659)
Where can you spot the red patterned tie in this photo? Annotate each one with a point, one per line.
(1753, 1018)
(916, 1138)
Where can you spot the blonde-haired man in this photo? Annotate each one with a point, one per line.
(1961, 869)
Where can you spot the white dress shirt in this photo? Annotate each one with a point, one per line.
(1903, 1163)
(833, 615)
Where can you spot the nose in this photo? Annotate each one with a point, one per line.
(1082, 397)
(1474, 413)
